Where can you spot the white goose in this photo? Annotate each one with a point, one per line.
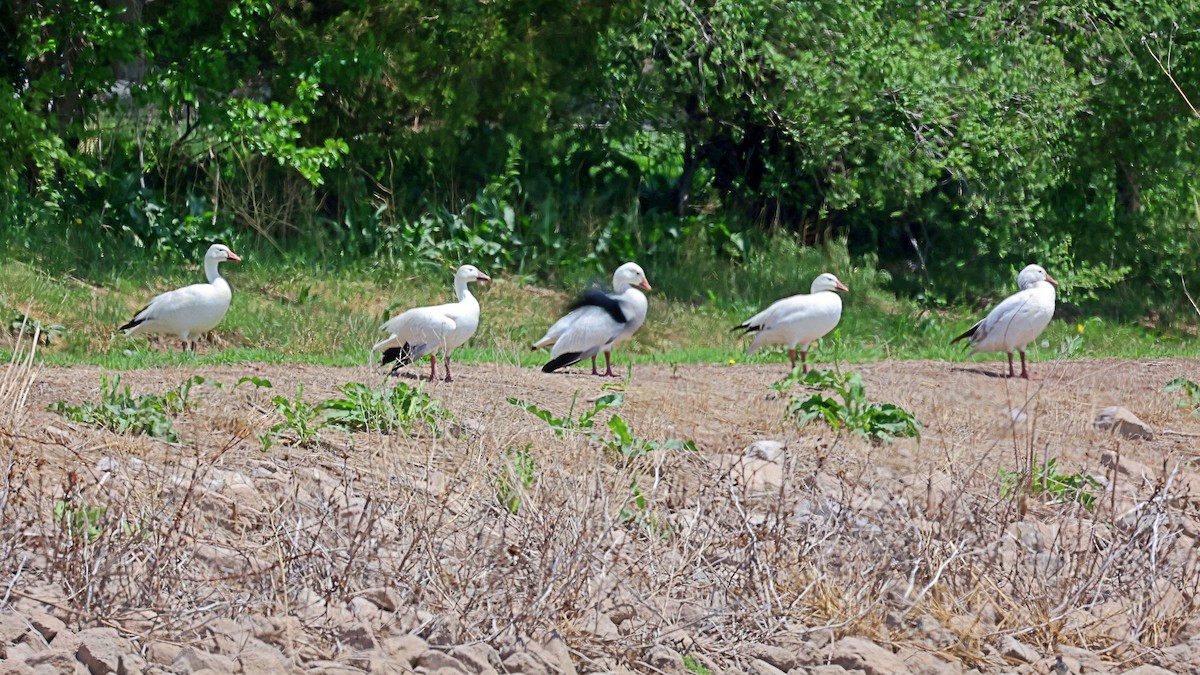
(798, 320)
(598, 321)
(428, 330)
(191, 311)
(1018, 320)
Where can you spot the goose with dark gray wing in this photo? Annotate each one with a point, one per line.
(597, 321)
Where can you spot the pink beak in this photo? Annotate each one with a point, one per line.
(1051, 279)
(233, 256)
(645, 284)
(841, 287)
(483, 277)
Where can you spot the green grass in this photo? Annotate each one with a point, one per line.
(292, 312)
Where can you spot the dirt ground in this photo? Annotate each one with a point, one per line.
(966, 409)
(911, 545)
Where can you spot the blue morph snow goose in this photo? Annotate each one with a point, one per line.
(597, 321)
(799, 320)
(191, 311)
(1016, 321)
(427, 330)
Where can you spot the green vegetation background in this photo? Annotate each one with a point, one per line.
(355, 152)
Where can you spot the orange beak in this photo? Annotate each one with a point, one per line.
(646, 285)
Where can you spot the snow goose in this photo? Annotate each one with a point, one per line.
(1017, 321)
(191, 311)
(798, 320)
(597, 321)
(428, 330)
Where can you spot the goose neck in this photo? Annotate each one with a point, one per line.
(211, 270)
(460, 289)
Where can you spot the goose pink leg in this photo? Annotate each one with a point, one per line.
(1024, 372)
(446, 362)
(608, 371)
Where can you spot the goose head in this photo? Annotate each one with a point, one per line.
(221, 253)
(627, 275)
(468, 273)
(827, 282)
(1032, 275)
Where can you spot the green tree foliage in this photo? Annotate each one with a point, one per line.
(955, 142)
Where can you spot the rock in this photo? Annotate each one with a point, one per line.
(404, 647)
(1147, 670)
(665, 660)
(108, 464)
(553, 650)
(830, 670)
(478, 658)
(332, 668)
(852, 652)
(357, 635)
(783, 659)
(772, 451)
(760, 667)
(600, 626)
(100, 650)
(12, 627)
(383, 598)
(524, 662)
(259, 657)
(443, 631)
(1012, 648)
(163, 653)
(54, 662)
(757, 475)
(226, 636)
(367, 612)
(191, 659)
(45, 623)
(921, 662)
(1120, 420)
(432, 660)
(15, 668)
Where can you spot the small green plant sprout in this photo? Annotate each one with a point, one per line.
(80, 522)
(1190, 393)
(517, 474)
(561, 425)
(638, 513)
(258, 382)
(121, 412)
(362, 408)
(693, 665)
(1045, 479)
(47, 334)
(302, 419)
(875, 421)
(623, 441)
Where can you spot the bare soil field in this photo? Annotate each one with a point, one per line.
(496, 545)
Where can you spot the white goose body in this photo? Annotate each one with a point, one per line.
(424, 331)
(191, 311)
(799, 320)
(598, 321)
(1018, 320)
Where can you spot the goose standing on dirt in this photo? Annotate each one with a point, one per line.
(191, 311)
(428, 330)
(798, 320)
(1017, 321)
(597, 321)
